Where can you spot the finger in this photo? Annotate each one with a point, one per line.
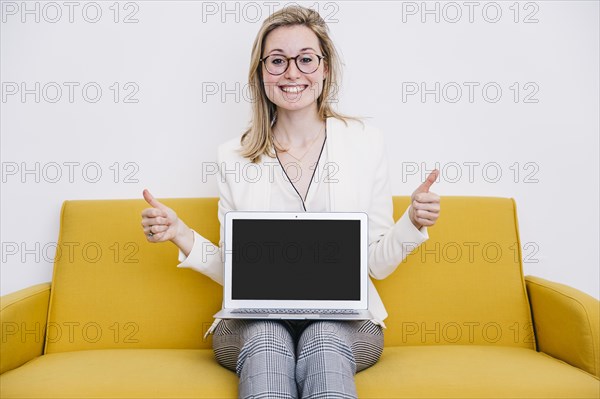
(148, 232)
(158, 221)
(425, 222)
(158, 237)
(153, 201)
(153, 213)
(146, 227)
(153, 238)
(150, 235)
(424, 187)
(426, 197)
(431, 207)
(426, 218)
(426, 215)
(150, 229)
(156, 229)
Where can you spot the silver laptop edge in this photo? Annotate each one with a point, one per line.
(358, 308)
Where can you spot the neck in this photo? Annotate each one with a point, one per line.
(297, 127)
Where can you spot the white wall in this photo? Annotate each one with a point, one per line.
(172, 54)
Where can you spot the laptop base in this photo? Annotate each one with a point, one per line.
(232, 314)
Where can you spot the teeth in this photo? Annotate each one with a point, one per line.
(293, 89)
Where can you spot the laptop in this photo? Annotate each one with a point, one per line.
(288, 265)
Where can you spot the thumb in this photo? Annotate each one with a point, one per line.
(153, 201)
(424, 187)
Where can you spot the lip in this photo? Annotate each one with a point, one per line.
(292, 89)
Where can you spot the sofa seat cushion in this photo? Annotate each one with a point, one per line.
(121, 373)
(472, 371)
(457, 371)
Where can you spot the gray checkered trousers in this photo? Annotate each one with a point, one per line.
(291, 358)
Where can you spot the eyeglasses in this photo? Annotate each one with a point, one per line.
(278, 64)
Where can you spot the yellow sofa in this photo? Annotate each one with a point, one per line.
(120, 320)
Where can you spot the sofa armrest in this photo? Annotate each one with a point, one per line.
(566, 323)
(23, 317)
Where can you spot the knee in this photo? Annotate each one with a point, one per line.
(322, 330)
(324, 336)
(262, 336)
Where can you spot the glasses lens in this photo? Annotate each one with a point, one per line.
(307, 63)
(276, 64)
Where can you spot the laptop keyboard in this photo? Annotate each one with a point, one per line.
(295, 311)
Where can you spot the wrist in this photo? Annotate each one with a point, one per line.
(183, 234)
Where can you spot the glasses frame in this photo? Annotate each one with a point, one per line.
(319, 57)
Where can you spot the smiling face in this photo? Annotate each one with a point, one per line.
(293, 90)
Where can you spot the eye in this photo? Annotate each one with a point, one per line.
(307, 58)
(277, 60)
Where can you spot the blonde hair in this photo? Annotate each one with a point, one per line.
(257, 139)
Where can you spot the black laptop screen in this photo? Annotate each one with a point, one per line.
(296, 259)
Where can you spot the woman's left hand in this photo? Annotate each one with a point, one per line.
(425, 206)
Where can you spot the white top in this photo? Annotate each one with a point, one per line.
(285, 198)
(361, 184)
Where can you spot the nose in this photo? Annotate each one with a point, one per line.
(292, 72)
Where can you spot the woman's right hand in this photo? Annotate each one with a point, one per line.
(160, 223)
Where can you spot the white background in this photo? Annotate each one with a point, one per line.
(172, 56)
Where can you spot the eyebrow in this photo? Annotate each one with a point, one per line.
(301, 50)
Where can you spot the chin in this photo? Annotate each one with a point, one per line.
(292, 105)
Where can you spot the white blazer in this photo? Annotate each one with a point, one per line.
(358, 180)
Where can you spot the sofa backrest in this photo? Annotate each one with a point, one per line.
(113, 289)
(464, 285)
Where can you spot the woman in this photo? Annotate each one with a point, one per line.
(305, 157)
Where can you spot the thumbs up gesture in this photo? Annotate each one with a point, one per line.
(160, 223)
(425, 205)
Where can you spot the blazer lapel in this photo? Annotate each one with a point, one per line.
(340, 170)
(339, 173)
(259, 192)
